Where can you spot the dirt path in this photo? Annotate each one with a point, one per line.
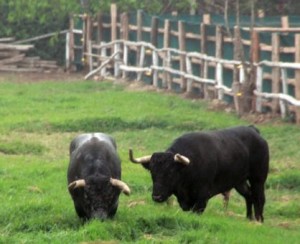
(35, 77)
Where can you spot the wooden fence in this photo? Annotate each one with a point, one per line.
(168, 66)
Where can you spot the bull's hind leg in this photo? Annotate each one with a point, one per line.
(226, 196)
(245, 191)
(259, 199)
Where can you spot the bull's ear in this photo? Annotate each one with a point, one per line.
(146, 166)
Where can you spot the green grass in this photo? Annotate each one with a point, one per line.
(38, 121)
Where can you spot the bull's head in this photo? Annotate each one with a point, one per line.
(165, 168)
(100, 195)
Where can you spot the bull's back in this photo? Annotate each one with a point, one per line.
(256, 145)
(229, 153)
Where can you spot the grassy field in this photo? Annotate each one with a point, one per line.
(38, 121)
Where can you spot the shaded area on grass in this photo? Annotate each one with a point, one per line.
(19, 148)
(289, 180)
(108, 125)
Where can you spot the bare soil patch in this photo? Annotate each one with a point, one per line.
(37, 77)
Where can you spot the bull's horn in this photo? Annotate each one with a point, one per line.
(121, 185)
(76, 184)
(181, 159)
(141, 160)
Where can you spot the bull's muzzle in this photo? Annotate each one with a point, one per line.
(101, 215)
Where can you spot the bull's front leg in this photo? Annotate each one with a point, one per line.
(200, 206)
(185, 206)
(185, 203)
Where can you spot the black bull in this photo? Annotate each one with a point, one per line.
(200, 165)
(94, 175)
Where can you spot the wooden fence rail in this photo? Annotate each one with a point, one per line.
(205, 68)
(217, 84)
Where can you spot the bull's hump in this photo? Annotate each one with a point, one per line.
(93, 137)
(99, 137)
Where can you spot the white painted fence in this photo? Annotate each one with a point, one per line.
(120, 64)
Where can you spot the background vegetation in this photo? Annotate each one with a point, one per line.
(26, 19)
(38, 121)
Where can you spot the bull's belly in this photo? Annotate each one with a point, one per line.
(227, 184)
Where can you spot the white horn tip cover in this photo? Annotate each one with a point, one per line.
(121, 185)
(181, 159)
(76, 184)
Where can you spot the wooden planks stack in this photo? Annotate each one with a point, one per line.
(13, 58)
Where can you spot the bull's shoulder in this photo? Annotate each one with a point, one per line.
(106, 138)
(249, 136)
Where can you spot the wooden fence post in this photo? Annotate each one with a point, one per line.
(275, 71)
(125, 36)
(219, 78)
(219, 55)
(254, 58)
(88, 42)
(114, 15)
(89, 57)
(67, 54)
(254, 49)
(117, 48)
(139, 25)
(236, 86)
(141, 62)
(204, 66)
(166, 82)
(139, 37)
(125, 60)
(154, 31)
(206, 19)
(124, 26)
(189, 70)
(85, 38)
(297, 76)
(285, 22)
(153, 37)
(283, 104)
(155, 71)
(99, 37)
(181, 41)
(70, 54)
(259, 78)
(103, 52)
